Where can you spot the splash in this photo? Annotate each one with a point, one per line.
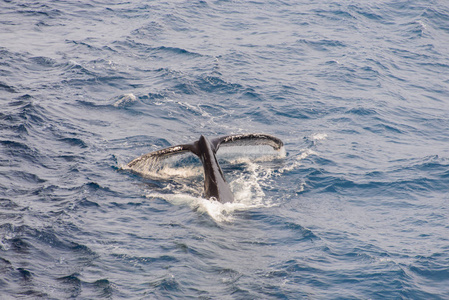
(124, 100)
(318, 136)
(296, 162)
(247, 189)
(251, 174)
(247, 183)
(219, 212)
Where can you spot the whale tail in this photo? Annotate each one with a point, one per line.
(146, 161)
(215, 182)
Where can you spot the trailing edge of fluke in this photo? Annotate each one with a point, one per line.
(215, 185)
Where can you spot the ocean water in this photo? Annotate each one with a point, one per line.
(356, 209)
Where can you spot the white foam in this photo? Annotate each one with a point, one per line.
(220, 212)
(318, 136)
(422, 25)
(247, 190)
(124, 100)
(297, 161)
(196, 108)
(247, 185)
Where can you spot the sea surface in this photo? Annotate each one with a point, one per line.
(357, 208)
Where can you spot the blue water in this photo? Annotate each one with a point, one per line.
(357, 90)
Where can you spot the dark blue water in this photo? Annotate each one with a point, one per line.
(358, 92)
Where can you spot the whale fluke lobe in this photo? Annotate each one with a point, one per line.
(150, 161)
(215, 185)
(160, 154)
(248, 140)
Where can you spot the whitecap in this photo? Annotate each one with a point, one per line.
(318, 136)
(124, 100)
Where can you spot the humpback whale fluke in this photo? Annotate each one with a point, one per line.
(215, 185)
